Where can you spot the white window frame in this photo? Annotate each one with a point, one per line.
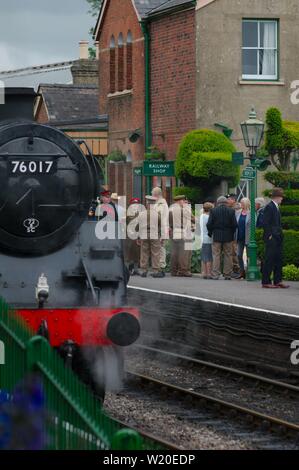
(258, 48)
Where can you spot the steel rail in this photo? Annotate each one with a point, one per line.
(226, 369)
(214, 401)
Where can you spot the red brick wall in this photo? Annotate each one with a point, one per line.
(173, 75)
(42, 116)
(126, 110)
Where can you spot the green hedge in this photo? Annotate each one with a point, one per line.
(290, 273)
(290, 222)
(287, 210)
(194, 195)
(280, 135)
(205, 158)
(290, 246)
(283, 179)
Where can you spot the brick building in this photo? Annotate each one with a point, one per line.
(147, 82)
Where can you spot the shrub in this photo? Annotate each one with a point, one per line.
(290, 273)
(290, 222)
(204, 159)
(282, 138)
(290, 246)
(283, 179)
(287, 210)
(194, 195)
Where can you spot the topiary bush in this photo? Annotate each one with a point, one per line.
(290, 246)
(290, 273)
(282, 139)
(290, 222)
(287, 210)
(204, 159)
(283, 179)
(194, 195)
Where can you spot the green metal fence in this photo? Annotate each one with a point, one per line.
(76, 419)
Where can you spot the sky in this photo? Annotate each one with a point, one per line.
(35, 32)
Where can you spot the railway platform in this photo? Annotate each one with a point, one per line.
(233, 319)
(235, 292)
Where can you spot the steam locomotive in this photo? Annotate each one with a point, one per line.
(66, 284)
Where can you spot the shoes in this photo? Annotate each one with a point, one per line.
(185, 275)
(144, 274)
(158, 275)
(214, 278)
(282, 286)
(236, 276)
(228, 278)
(270, 286)
(136, 272)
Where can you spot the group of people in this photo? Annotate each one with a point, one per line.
(224, 233)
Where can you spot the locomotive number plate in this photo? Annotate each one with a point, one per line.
(32, 167)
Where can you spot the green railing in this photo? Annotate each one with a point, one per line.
(76, 419)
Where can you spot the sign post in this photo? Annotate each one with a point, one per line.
(158, 168)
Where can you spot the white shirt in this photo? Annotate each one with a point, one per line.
(203, 228)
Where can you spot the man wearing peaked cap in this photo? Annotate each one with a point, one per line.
(131, 245)
(106, 208)
(180, 198)
(161, 207)
(150, 238)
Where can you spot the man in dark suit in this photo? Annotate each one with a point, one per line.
(222, 225)
(273, 238)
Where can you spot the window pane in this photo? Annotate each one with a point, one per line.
(268, 34)
(250, 62)
(250, 34)
(267, 62)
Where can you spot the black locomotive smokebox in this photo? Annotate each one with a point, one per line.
(19, 104)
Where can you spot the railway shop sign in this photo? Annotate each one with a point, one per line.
(158, 168)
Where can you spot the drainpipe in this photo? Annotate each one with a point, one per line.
(148, 131)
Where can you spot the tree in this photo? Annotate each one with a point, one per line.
(94, 6)
(282, 139)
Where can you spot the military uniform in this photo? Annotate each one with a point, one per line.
(131, 247)
(178, 221)
(150, 243)
(161, 207)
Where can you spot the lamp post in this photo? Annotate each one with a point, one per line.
(253, 132)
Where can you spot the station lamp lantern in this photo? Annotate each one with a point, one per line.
(253, 132)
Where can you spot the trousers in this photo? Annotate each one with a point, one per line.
(218, 249)
(150, 249)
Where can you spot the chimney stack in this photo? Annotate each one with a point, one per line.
(83, 48)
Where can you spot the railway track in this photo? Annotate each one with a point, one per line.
(270, 431)
(219, 368)
(205, 399)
